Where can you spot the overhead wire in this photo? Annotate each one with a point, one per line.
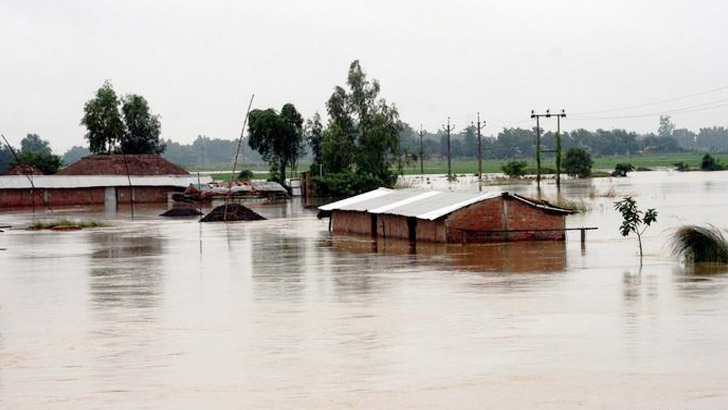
(683, 97)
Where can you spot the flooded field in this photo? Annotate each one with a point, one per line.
(154, 313)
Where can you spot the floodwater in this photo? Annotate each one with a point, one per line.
(279, 314)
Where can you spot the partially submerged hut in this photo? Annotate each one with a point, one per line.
(99, 180)
(458, 217)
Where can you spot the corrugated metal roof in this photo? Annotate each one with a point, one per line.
(354, 200)
(428, 205)
(91, 181)
(409, 202)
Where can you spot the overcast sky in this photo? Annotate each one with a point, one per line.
(197, 63)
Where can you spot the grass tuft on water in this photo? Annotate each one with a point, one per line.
(65, 224)
(700, 244)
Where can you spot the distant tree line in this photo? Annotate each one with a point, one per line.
(511, 143)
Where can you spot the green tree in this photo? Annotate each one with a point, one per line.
(74, 154)
(578, 163)
(621, 169)
(277, 137)
(46, 162)
(6, 158)
(37, 152)
(634, 220)
(34, 144)
(367, 123)
(710, 163)
(103, 120)
(514, 169)
(314, 136)
(666, 127)
(142, 128)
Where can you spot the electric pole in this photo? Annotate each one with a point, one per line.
(449, 167)
(480, 157)
(548, 114)
(422, 152)
(559, 116)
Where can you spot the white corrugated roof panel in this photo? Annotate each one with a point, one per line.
(356, 199)
(92, 181)
(409, 202)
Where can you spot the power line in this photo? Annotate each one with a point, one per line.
(699, 107)
(655, 102)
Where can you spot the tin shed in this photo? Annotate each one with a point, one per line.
(458, 217)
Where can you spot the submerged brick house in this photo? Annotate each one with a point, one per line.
(456, 217)
(99, 180)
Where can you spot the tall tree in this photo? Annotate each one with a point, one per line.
(666, 127)
(314, 136)
(277, 137)
(142, 128)
(103, 120)
(6, 158)
(34, 144)
(37, 152)
(369, 124)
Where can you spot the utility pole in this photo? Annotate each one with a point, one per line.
(449, 165)
(559, 116)
(538, 143)
(480, 157)
(548, 114)
(422, 152)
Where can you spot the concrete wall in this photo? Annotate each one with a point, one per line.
(24, 198)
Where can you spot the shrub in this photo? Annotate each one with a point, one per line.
(245, 175)
(578, 163)
(345, 184)
(621, 169)
(681, 166)
(514, 169)
(709, 163)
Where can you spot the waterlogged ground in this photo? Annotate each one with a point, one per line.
(278, 314)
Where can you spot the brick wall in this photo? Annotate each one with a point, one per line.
(351, 222)
(21, 198)
(144, 194)
(522, 216)
(470, 224)
(392, 226)
(500, 214)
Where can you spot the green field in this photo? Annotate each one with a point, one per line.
(470, 166)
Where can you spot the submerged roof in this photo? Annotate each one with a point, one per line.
(92, 181)
(420, 204)
(118, 164)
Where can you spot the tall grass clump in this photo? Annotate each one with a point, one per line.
(698, 244)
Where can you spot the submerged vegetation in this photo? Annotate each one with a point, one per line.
(65, 224)
(700, 244)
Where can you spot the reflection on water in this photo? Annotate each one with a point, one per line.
(281, 314)
(513, 257)
(125, 270)
(277, 265)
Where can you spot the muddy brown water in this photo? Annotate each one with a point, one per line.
(279, 314)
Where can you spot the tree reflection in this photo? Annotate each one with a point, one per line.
(125, 270)
(277, 265)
